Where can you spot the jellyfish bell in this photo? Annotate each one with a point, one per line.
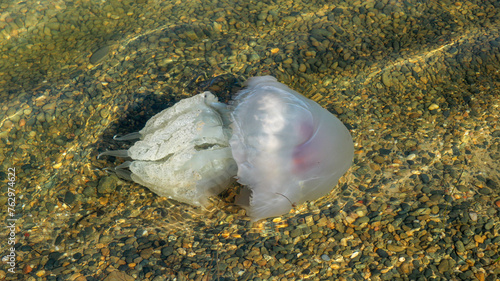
(288, 148)
(183, 152)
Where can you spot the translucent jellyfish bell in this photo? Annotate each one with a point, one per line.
(288, 148)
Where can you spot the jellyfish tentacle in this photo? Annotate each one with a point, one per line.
(121, 170)
(117, 153)
(131, 136)
(124, 165)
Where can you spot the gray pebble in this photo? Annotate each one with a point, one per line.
(107, 184)
(167, 251)
(484, 191)
(444, 266)
(489, 225)
(253, 57)
(140, 232)
(460, 246)
(296, 232)
(105, 239)
(49, 206)
(69, 197)
(104, 112)
(453, 51)
(89, 191)
(98, 55)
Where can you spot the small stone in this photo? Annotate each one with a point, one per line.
(69, 197)
(119, 276)
(140, 233)
(167, 251)
(98, 55)
(104, 112)
(435, 197)
(105, 239)
(395, 248)
(425, 178)
(473, 216)
(382, 253)
(253, 57)
(107, 184)
(411, 157)
(484, 191)
(497, 203)
(89, 191)
(61, 141)
(480, 276)
(459, 245)
(310, 53)
(103, 200)
(49, 206)
(296, 232)
(192, 35)
(386, 79)
(433, 106)
(479, 238)
(444, 266)
(105, 251)
(489, 225)
(27, 269)
(315, 235)
(8, 124)
(146, 253)
(362, 221)
(40, 117)
(491, 184)
(378, 159)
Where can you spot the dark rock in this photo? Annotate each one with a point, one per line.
(69, 197)
(98, 55)
(491, 184)
(425, 178)
(107, 184)
(296, 232)
(167, 251)
(382, 253)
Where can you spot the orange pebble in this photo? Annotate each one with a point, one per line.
(22, 122)
(103, 200)
(27, 269)
(498, 203)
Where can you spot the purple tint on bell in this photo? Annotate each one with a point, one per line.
(287, 147)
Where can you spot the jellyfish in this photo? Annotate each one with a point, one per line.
(283, 148)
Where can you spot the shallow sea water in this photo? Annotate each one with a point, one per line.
(416, 83)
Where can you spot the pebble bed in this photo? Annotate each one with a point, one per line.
(416, 82)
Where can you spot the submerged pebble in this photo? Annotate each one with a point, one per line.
(99, 55)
